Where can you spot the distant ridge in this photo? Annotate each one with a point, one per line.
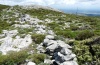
(39, 7)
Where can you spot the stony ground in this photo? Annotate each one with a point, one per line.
(31, 35)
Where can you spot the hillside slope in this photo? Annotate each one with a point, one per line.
(24, 29)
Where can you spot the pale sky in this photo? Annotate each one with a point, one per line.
(61, 4)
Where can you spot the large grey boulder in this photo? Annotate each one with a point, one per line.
(51, 49)
(63, 44)
(45, 42)
(65, 51)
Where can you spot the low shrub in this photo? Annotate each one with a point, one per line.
(67, 33)
(4, 25)
(84, 35)
(13, 58)
(25, 30)
(82, 53)
(38, 38)
(52, 25)
(37, 58)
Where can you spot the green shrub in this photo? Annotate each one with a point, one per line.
(4, 25)
(37, 58)
(25, 30)
(82, 53)
(38, 38)
(3, 58)
(66, 33)
(73, 27)
(52, 25)
(84, 35)
(13, 58)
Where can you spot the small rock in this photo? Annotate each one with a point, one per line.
(50, 37)
(63, 44)
(48, 61)
(31, 63)
(69, 63)
(65, 51)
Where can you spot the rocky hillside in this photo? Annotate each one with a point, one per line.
(37, 35)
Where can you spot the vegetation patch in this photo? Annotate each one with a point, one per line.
(38, 38)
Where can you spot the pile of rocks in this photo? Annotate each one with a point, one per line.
(59, 50)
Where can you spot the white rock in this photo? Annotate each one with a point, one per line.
(46, 41)
(49, 37)
(48, 61)
(31, 63)
(65, 51)
(69, 63)
(51, 48)
(40, 49)
(52, 42)
(63, 44)
(50, 32)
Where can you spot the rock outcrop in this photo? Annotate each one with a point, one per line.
(13, 44)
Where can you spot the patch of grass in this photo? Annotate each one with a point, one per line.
(84, 35)
(67, 33)
(37, 58)
(13, 58)
(38, 38)
(3, 7)
(25, 30)
(4, 25)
